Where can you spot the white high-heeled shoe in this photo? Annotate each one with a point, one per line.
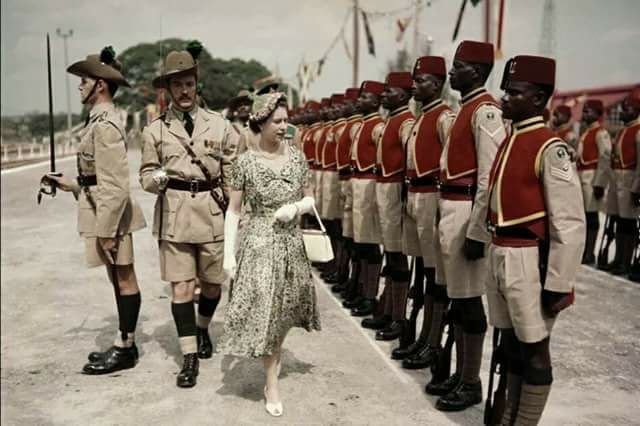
(273, 408)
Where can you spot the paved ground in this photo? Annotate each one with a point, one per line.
(54, 311)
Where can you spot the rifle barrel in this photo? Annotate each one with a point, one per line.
(51, 142)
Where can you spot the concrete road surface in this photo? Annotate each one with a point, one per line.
(54, 311)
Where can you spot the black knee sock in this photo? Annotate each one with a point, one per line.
(129, 311)
(185, 318)
(206, 309)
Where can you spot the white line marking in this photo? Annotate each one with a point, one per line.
(402, 376)
(33, 166)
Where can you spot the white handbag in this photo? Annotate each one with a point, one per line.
(317, 243)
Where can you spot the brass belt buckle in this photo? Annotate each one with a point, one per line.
(193, 186)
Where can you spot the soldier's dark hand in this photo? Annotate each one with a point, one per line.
(553, 302)
(63, 183)
(472, 249)
(635, 199)
(598, 192)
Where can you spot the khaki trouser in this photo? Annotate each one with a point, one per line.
(317, 189)
(590, 203)
(464, 278)
(187, 261)
(514, 293)
(388, 199)
(347, 207)
(331, 206)
(619, 197)
(418, 226)
(366, 225)
(95, 256)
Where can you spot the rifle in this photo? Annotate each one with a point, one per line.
(47, 185)
(494, 406)
(634, 273)
(607, 238)
(409, 334)
(441, 369)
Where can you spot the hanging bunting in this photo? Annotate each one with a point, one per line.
(401, 26)
(370, 44)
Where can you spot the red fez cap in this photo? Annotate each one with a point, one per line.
(402, 80)
(476, 52)
(563, 109)
(313, 106)
(634, 97)
(337, 98)
(351, 94)
(370, 86)
(530, 69)
(430, 65)
(594, 104)
(325, 102)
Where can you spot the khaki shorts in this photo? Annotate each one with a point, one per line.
(418, 226)
(317, 189)
(388, 199)
(514, 293)
(464, 278)
(590, 203)
(186, 261)
(366, 225)
(619, 196)
(331, 206)
(347, 205)
(95, 255)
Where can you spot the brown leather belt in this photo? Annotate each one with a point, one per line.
(469, 190)
(192, 186)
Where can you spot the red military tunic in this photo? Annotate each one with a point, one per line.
(624, 154)
(344, 144)
(364, 145)
(391, 149)
(588, 159)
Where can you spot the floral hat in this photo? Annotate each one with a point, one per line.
(264, 105)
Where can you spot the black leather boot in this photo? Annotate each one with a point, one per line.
(421, 359)
(407, 339)
(189, 373)
(410, 350)
(205, 347)
(365, 308)
(442, 387)
(392, 332)
(98, 356)
(115, 359)
(352, 303)
(462, 397)
(376, 323)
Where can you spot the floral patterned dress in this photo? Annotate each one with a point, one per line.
(273, 289)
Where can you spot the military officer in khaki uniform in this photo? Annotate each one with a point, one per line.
(537, 223)
(465, 163)
(186, 155)
(594, 169)
(390, 163)
(107, 215)
(423, 150)
(625, 181)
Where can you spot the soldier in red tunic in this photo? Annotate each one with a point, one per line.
(626, 173)
(594, 168)
(537, 223)
(366, 225)
(561, 124)
(464, 176)
(423, 149)
(390, 164)
(344, 142)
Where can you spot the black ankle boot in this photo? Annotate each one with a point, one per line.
(189, 373)
(392, 332)
(442, 387)
(205, 347)
(99, 356)
(365, 308)
(424, 358)
(462, 397)
(376, 323)
(115, 359)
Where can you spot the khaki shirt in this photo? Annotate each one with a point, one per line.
(565, 213)
(187, 217)
(489, 132)
(109, 211)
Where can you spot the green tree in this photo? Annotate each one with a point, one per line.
(221, 79)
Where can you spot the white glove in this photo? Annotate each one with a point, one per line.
(230, 236)
(288, 212)
(160, 178)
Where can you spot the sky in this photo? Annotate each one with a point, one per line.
(595, 42)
